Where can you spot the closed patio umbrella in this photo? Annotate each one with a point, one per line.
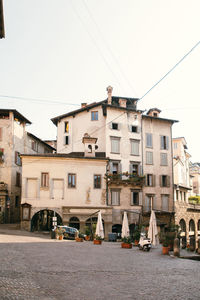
(99, 227)
(125, 227)
(153, 231)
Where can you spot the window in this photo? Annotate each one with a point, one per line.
(149, 140)
(147, 203)
(163, 159)
(17, 201)
(134, 169)
(165, 202)
(115, 167)
(135, 147)
(94, 115)
(164, 142)
(164, 180)
(134, 198)
(184, 196)
(115, 145)
(134, 128)
(181, 195)
(66, 140)
(34, 146)
(97, 181)
(115, 126)
(18, 158)
(44, 179)
(66, 128)
(18, 179)
(149, 158)
(176, 195)
(150, 180)
(71, 180)
(1, 155)
(115, 197)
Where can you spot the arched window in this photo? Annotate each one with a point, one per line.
(191, 225)
(182, 225)
(74, 222)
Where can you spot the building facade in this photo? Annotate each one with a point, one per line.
(139, 172)
(14, 140)
(187, 214)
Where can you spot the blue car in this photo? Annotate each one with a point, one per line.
(69, 232)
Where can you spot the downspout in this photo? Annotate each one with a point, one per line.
(142, 156)
(107, 166)
(172, 174)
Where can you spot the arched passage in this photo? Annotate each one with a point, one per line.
(183, 233)
(74, 222)
(43, 220)
(192, 234)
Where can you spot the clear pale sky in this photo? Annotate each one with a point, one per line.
(69, 51)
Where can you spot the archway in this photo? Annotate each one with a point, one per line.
(192, 234)
(183, 233)
(117, 228)
(43, 220)
(74, 222)
(132, 228)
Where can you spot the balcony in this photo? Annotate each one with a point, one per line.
(125, 179)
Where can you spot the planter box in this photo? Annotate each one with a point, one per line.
(125, 245)
(79, 239)
(97, 242)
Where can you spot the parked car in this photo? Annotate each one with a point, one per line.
(69, 232)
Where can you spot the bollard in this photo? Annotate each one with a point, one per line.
(176, 247)
(198, 249)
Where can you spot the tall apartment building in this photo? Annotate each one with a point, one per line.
(14, 140)
(187, 214)
(138, 148)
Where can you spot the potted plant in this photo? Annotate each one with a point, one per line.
(87, 233)
(97, 240)
(59, 233)
(136, 237)
(80, 237)
(126, 242)
(165, 246)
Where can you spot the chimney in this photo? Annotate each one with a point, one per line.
(83, 104)
(109, 90)
(90, 145)
(122, 102)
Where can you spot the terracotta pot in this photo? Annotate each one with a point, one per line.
(165, 250)
(125, 245)
(87, 238)
(136, 243)
(79, 239)
(60, 237)
(97, 242)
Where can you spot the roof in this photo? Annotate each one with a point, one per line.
(131, 105)
(99, 155)
(39, 140)
(161, 119)
(17, 115)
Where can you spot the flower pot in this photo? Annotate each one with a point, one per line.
(97, 242)
(79, 239)
(136, 243)
(126, 245)
(165, 250)
(60, 237)
(87, 238)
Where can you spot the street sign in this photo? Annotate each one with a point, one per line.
(54, 218)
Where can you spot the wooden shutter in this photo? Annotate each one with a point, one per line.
(140, 198)
(167, 142)
(154, 180)
(161, 180)
(168, 181)
(111, 167)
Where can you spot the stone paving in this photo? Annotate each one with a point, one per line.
(35, 267)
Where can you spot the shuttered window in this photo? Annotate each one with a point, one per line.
(149, 140)
(135, 147)
(163, 159)
(165, 202)
(71, 180)
(115, 145)
(164, 142)
(44, 179)
(149, 158)
(115, 197)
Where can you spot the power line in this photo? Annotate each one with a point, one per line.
(170, 70)
(96, 45)
(37, 100)
(109, 49)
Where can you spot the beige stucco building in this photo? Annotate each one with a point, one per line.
(187, 215)
(138, 172)
(14, 140)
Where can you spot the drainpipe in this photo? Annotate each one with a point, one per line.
(172, 174)
(107, 166)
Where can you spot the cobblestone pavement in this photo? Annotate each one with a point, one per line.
(35, 267)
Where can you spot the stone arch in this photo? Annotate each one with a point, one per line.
(192, 240)
(74, 222)
(42, 220)
(183, 235)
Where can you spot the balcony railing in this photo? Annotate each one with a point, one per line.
(125, 178)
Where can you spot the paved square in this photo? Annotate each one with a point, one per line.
(36, 267)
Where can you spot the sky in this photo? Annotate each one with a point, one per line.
(58, 54)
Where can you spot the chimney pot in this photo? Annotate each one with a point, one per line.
(83, 104)
(109, 90)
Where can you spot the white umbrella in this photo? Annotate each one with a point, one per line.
(125, 227)
(153, 231)
(99, 227)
